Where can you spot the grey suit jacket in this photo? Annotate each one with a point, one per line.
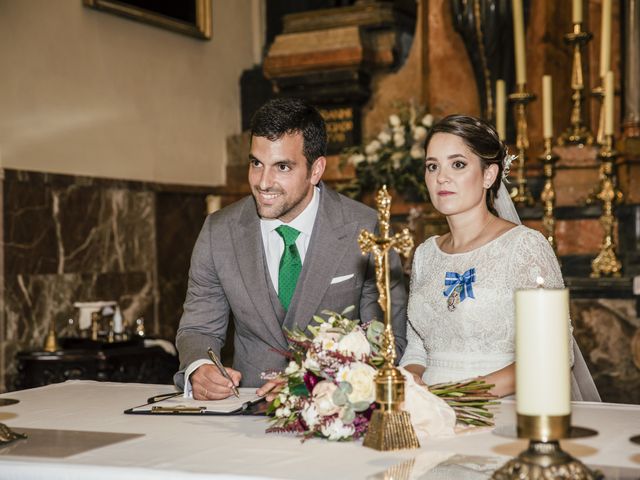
(228, 275)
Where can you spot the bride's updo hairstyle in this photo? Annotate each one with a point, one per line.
(482, 139)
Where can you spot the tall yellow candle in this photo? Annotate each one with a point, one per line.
(605, 38)
(518, 37)
(501, 109)
(547, 110)
(609, 96)
(576, 11)
(542, 352)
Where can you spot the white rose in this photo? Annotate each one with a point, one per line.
(419, 133)
(384, 137)
(427, 120)
(362, 379)
(394, 120)
(396, 158)
(310, 415)
(398, 139)
(327, 340)
(323, 398)
(292, 368)
(417, 152)
(373, 147)
(355, 343)
(372, 158)
(310, 363)
(337, 430)
(356, 159)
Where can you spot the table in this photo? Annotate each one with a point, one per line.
(197, 447)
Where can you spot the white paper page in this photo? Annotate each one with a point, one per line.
(227, 405)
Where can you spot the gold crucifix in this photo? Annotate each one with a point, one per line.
(379, 246)
(390, 427)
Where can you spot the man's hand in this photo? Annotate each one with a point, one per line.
(271, 389)
(207, 383)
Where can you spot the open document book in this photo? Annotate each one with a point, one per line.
(247, 404)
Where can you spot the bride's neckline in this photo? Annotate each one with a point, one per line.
(435, 237)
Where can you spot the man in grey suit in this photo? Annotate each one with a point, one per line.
(276, 258)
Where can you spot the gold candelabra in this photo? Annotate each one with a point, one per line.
(577, 133)
(548, 195)
(607, 263)
(390, 427)
(520, 193)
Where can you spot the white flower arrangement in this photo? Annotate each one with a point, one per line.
(395, 157)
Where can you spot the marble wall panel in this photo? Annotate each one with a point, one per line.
(179, 218)
(33, 301)
(605, 329)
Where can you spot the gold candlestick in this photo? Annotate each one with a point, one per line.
(520, 193)
(390, 427)
(548, 195)
(577, 133)
(51, 342)
(607, 263)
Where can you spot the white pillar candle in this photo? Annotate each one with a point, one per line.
(609, 95)
(542, 352)
(518, 38)
(501, 109)
(605, 38)
(547, 110)
(576, 11)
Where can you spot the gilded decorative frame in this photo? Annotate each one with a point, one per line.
(200, 27)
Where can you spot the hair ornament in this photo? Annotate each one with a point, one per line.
(506, 165)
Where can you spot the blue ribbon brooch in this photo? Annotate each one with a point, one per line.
(458, 287)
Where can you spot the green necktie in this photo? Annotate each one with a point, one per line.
(290, 265)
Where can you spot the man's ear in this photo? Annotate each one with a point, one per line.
(317, 169)
(490, 174)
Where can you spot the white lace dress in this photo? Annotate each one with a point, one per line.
(477, 335)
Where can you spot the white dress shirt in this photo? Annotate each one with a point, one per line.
(273, 248)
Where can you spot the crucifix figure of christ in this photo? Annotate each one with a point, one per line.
(380, 245)
(390, 427)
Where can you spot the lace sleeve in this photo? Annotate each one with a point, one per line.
(415, 352)
(535, 258)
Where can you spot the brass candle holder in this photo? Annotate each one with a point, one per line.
(51, 342)
(390, 427)
(577, 133)
(548, 195)
(6, 434)
(545, 458)
(520, 193)
(607, 263)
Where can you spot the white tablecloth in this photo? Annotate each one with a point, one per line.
(194, 447)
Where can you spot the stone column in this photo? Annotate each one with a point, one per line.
(631, 121)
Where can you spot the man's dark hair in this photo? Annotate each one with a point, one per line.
(286, 116)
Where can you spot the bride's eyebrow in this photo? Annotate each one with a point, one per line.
(450, 157)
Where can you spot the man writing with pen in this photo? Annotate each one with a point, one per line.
(276, 258)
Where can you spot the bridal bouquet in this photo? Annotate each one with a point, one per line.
(329, 389)
(395, 157)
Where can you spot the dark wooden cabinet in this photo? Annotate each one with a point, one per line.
(86, 360)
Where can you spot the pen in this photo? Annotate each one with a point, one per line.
(216, 361)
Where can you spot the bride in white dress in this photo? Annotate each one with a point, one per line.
(461, 309)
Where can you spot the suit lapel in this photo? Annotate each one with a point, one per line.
(323, 256)
(249, 249)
